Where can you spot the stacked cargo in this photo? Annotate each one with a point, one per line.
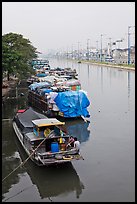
(59, 95)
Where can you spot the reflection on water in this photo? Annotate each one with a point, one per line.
(53, 181)
(128, 82)
(65, 179)
(88, 70)
(102, 79)
(10, 157)
(79, 129)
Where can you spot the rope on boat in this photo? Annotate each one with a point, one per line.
(22, 163)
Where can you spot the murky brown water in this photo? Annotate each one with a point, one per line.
(107, 173)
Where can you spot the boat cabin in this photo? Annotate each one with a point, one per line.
(43, 127)
(51, 129)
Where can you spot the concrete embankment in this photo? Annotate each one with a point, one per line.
(110, 65)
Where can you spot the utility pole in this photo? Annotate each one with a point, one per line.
(101, 49)
(97, 50)
(88, 49)
(67, 53)
(72, 51)
(78, 50)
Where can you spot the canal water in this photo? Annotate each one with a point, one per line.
(107, 173)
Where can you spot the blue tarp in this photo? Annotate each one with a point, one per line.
(45, 90)
(72, 103)
(41, 75)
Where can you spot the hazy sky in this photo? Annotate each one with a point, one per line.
(67, 25)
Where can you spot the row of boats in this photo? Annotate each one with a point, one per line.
(54, 94)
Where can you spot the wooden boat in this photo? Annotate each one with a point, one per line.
(43, 139)
(55, 176)
(66, 104)
(42, 69)
(64, 72)
(64, 99)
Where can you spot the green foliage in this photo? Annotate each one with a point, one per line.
(16, 53)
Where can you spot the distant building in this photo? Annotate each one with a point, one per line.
(121, 55)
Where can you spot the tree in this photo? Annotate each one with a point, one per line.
(17, 52)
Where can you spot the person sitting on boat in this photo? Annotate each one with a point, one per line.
(76, 144)
(71, 142)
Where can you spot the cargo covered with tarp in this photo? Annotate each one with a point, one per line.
(74, 84)
(73, 103)
(36, 85)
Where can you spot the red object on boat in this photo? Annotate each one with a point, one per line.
(21, 111)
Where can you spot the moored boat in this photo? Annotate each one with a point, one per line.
(44, 139)
(59, 101)
(62, 98)
(57, 93)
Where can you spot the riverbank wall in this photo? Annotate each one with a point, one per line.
(110, 65)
